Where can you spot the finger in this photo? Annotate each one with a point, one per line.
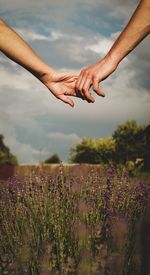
(78, 81)
(74, 93)
(86, 90)
(78, 94)
(67, 100)
(70, 92)
(97, 89)
(85, 78)
(77, 85)
(82, 81)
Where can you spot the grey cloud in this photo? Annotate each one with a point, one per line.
(140, 64)
(61, 13)
(25, 152)
(31, 118)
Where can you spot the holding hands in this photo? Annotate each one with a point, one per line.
(135, 31)
(62, 85)
(66, 85)
(93, 75)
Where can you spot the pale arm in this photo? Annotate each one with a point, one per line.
(135, 31)
(13, 46)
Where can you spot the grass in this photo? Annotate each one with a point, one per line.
(76, 221)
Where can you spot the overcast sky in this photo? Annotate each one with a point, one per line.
(69, 35)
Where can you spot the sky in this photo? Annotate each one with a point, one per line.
(69, 35)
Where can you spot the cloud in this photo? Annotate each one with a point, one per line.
(120, 7)
(101, 46)
(31, 35)
(64, 137)
(19, 80)
(69, 35)
(62, 142)
(26, 153)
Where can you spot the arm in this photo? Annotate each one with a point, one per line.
(13, 46)
(135, 31)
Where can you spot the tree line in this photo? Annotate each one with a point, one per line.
(129, 142)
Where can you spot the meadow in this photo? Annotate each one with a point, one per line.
(81, 220)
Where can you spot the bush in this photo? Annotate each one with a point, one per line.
(5, 155)
(53, 159)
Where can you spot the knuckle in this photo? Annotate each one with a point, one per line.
(89, 75)
(94, 76)
(85, 71)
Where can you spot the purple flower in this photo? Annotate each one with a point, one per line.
(107, 193)
(110, 212)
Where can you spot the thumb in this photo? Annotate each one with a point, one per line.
(67, 100)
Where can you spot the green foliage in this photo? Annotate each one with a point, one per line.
(93, 151)
(106, 149)
(84, 152)
(134, 169)
(129, 144)
(5, 156)
(53, 159)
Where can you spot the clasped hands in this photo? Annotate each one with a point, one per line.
(67, 85)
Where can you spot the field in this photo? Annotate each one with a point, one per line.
(77, 220)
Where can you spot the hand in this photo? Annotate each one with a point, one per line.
(92, 75)
(61, 85)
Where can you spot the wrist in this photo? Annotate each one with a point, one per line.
(46, 75)
(110, 61)
(113, 59)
